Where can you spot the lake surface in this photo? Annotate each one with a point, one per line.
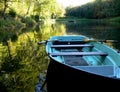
(23, 61)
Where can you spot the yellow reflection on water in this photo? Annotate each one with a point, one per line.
(22, 59)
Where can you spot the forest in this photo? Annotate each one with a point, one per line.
(96, 10)
(42, 8)
(17, 13)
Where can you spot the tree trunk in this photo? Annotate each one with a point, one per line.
(4, 10)
(28, 8)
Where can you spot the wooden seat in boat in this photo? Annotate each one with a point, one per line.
(72, 46)
(78, 54)
(106, 70)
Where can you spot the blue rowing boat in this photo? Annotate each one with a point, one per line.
(78, 61)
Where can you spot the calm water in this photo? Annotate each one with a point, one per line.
(22, 60)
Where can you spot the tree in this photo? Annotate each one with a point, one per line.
(29, 5)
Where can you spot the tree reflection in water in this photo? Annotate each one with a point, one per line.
(22, 60)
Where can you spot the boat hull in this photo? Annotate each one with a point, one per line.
(61, 77)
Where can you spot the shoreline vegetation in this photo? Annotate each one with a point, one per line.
(12, 17)
(16, 23)
(10, 23)
(34, 12)
(114, 19)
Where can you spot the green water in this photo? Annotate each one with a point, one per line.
(22, 59)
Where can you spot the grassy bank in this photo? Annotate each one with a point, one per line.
(11, 23)
(115, 19)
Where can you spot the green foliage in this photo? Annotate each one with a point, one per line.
(43, 8)
(28, 21)
(98, 9)
(116, 19)
(36, 18)
(10, 65)
(9, 24)
(21, 64)
(12, 13)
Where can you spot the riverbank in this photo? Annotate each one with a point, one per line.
(11, 23)
(73, 19)
(115, 19)
(16, 23)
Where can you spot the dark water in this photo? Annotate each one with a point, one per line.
(98, 30)
(22, 60)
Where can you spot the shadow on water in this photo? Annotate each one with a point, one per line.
(3, 88)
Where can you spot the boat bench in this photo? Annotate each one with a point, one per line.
(78, 54)
(106, 70)
(71, 46)
(61, 42)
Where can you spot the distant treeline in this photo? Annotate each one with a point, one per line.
(96, 10)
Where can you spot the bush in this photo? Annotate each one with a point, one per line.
(29, 21)
(37, 18)
(12, 13)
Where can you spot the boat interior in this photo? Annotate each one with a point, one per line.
(84, 56)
